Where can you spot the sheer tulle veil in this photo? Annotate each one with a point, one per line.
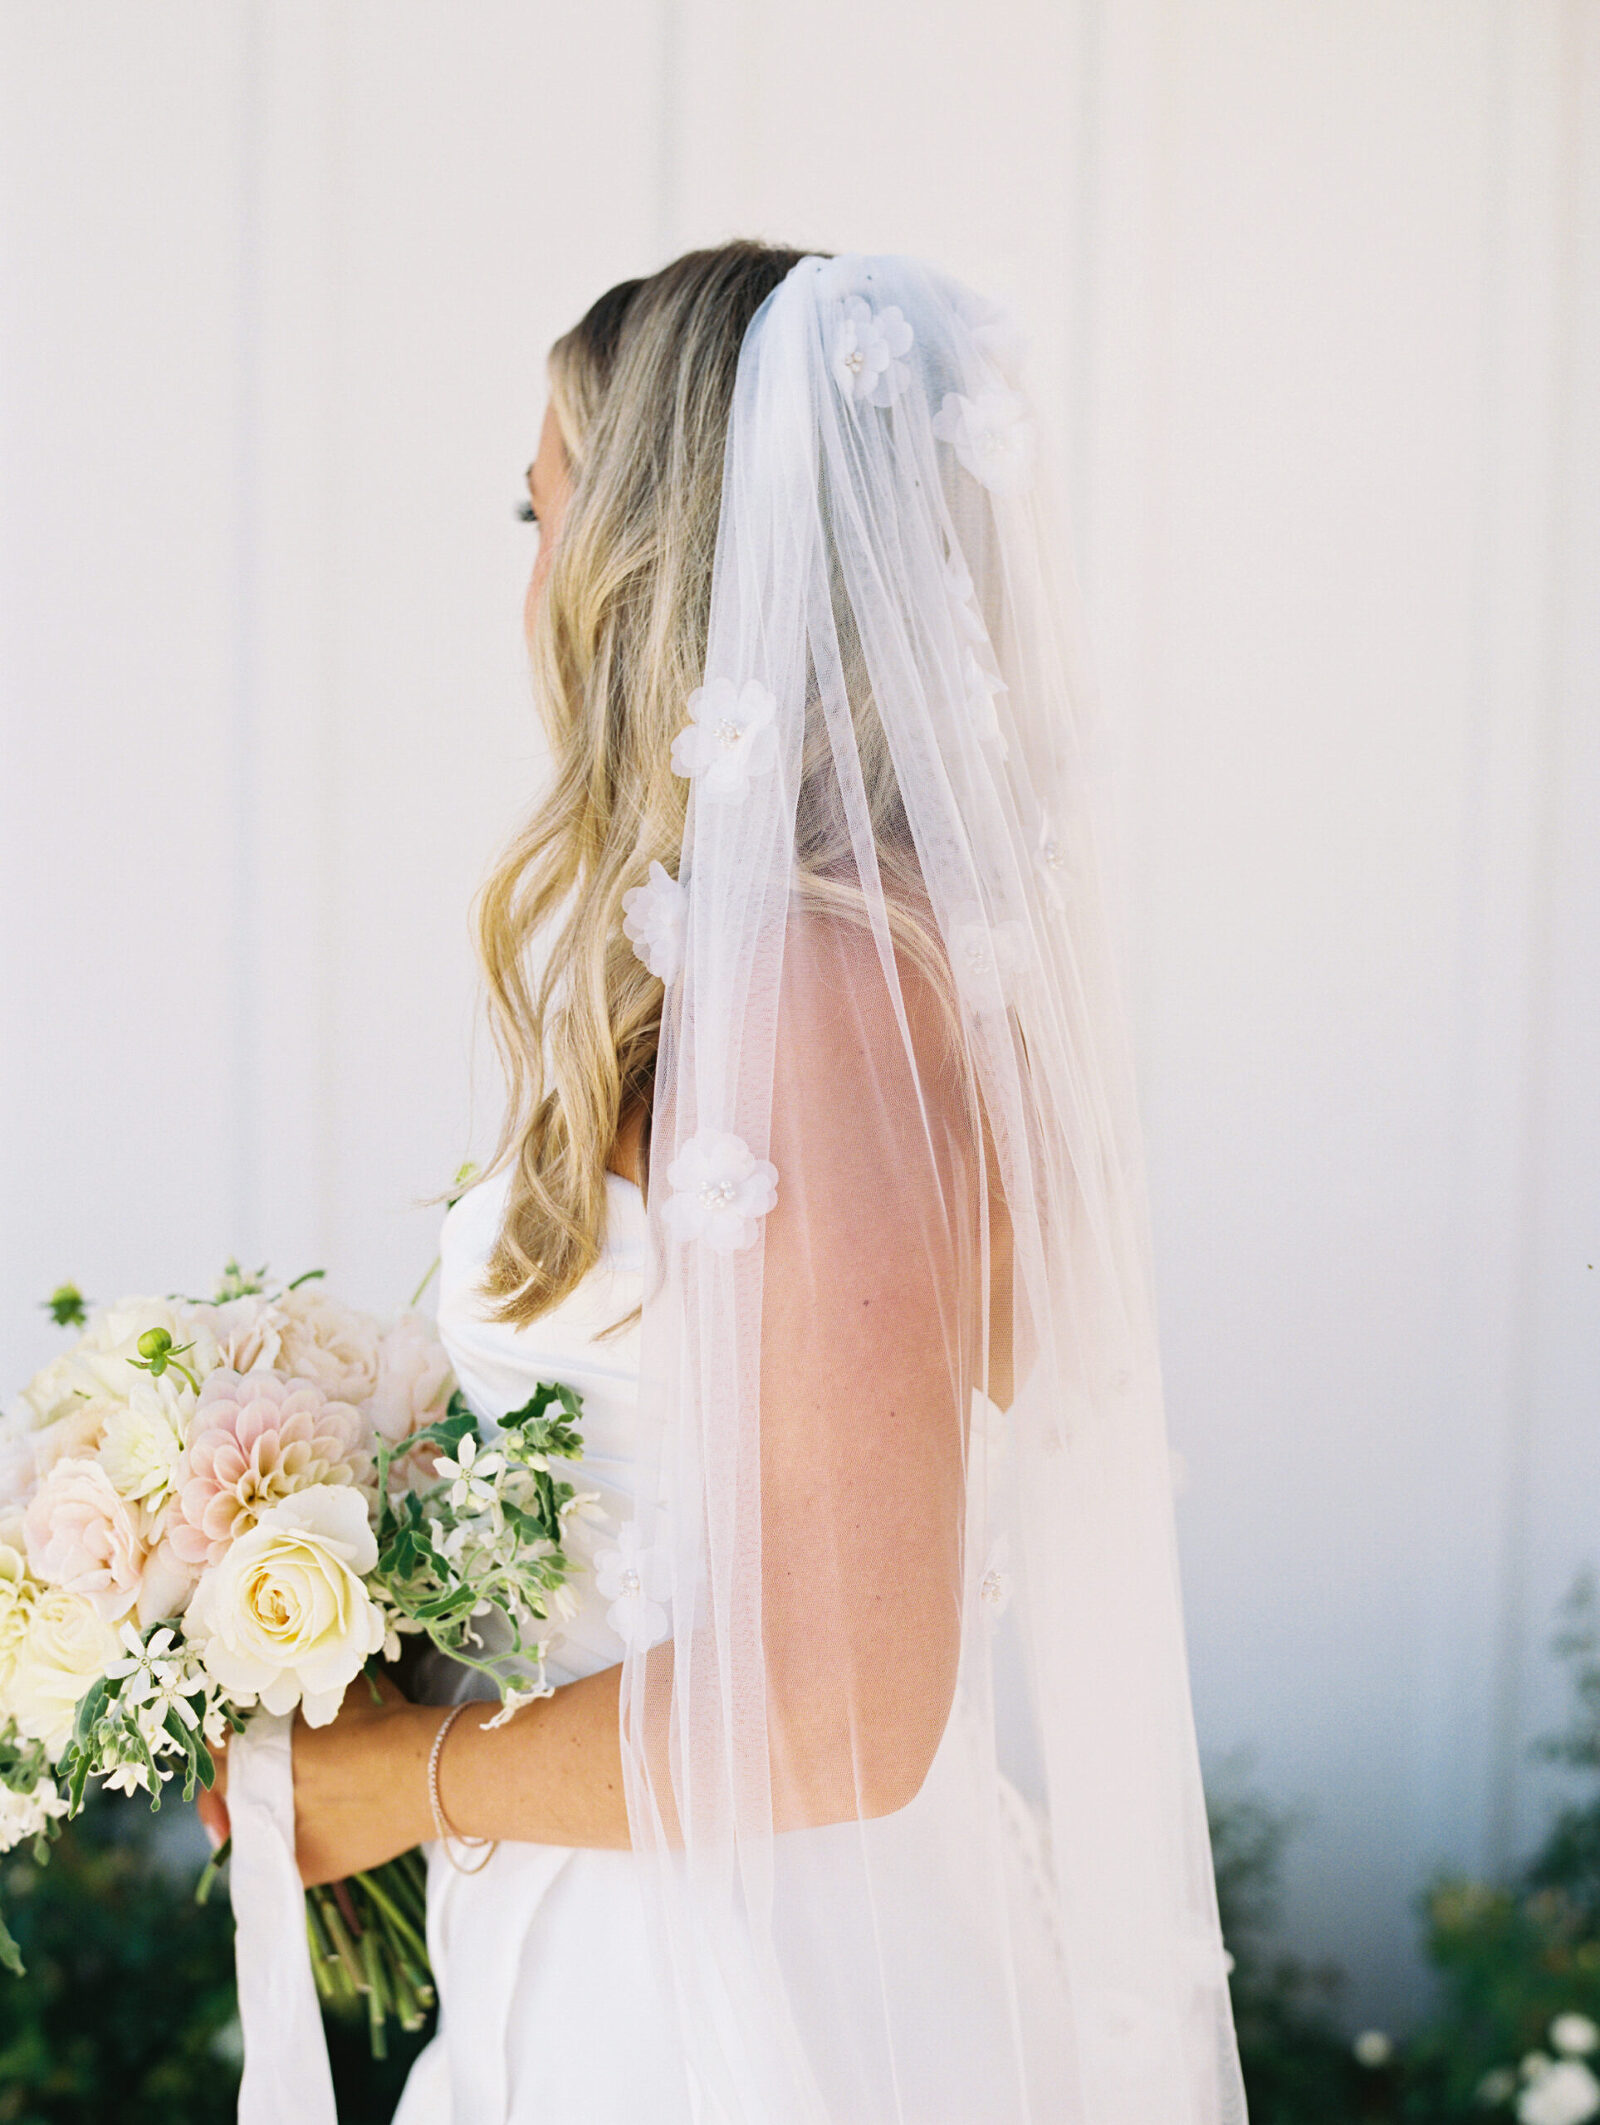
(907, 1729)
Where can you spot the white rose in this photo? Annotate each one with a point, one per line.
(282, 1615)
(141, 1443)
(64, 1650)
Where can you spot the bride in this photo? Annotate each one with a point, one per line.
(866, 1790)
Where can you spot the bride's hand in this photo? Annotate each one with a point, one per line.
(360, 1784)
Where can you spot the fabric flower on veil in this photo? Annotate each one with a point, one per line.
(867, 352)
(731, 737)
(653, 919)
(721, 1191)
(635, 1578)
(992, 436)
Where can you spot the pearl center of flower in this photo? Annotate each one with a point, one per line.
(728, 734)
(993, 1589)
(717, 1195)
(631, 1582)
(1053, 856)
(855, 361)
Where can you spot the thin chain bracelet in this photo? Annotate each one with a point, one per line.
(448, 1836)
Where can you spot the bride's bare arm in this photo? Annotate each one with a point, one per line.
(551, 1776)
(865, 1372)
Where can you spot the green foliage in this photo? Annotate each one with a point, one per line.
(497, 1545)
(128, 1987)
(1510, 1958)
(1297, 2066)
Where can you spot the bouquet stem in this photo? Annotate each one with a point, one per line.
(369, 1949)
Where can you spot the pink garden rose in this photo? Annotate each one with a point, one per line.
(168, 1579)
(414, 1380)
(255, 1439)
(328, 1344)
(81, 1535)
(248, 1331)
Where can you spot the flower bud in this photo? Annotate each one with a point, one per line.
(154, 1343)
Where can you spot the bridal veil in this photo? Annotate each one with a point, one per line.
(907, 1733)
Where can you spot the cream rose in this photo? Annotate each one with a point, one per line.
(16, 1605)
(64, 1650)
(51, 1394)
(282, 1615)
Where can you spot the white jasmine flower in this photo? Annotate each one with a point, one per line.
(473, 1475)
(1373, 2048)
(1574, 2034)
(720, 1192)
(653, 917)
(867, 350)
(158, 1679)
(282, 1615)
(25, 1815)
(129, 1777)
(1564, 2092)
(731, 737)
(993, 437)
(635, 1578)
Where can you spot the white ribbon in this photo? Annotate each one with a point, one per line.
(286, 2076)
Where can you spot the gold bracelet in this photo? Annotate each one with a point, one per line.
(449, 1836)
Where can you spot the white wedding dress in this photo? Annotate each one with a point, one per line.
(549, 2007)
(550, 2004)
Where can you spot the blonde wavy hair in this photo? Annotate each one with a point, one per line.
(641, 389)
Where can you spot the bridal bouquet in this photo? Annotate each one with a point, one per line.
(206, 1506)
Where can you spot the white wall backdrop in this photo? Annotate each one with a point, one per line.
(1314, 294)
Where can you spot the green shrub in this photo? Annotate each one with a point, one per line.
(127, 2007)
